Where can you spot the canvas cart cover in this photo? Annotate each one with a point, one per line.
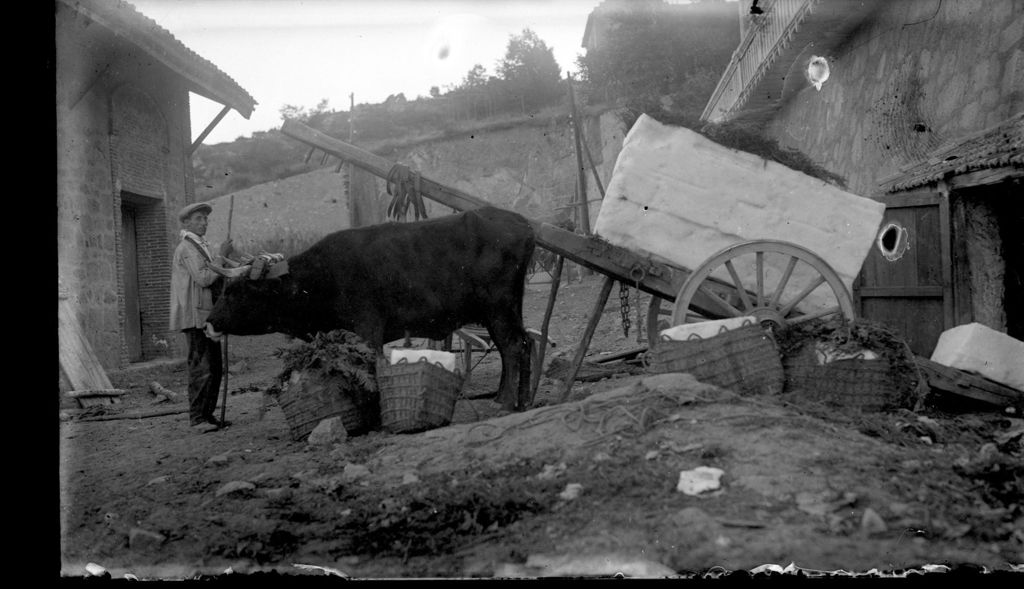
(681, 198)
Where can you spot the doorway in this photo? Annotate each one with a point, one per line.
(130, 279)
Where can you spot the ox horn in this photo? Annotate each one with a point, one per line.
(229, 272)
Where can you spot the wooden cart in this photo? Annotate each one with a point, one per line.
(679, 294)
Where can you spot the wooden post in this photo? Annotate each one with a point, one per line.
(593, 168)
(543, 344)
(581, 175)
(581, 351)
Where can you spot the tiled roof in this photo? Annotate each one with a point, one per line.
(996, 147)
(203, 77)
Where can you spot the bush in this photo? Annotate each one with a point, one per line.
(336, 353)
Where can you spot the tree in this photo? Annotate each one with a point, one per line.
(661, 59)
(290, 112)
(476, 77)
(530, 69)
(435, 92)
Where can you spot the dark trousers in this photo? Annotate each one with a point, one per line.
(205, 368)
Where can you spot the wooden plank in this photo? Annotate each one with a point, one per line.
(900, 201)
(946, 252)
(960, 281)
(588, 333)
(901, 291)
(984, 177)
(77, 359)
(97, 393)
(627, 355)
(965, 384)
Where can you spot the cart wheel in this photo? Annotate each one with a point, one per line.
(752, 299)
(659, 317)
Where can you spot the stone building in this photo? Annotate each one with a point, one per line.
(919, 106)
(124, 170)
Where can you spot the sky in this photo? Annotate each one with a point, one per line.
(299, 52)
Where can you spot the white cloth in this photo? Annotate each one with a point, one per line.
(186, 234)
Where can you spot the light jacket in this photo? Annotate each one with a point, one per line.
(191, 277)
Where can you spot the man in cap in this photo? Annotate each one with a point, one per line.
(192, 283)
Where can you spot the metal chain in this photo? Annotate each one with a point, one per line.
(639, 321)
(624, 308)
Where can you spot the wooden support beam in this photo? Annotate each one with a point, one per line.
(556, 279)
(985, 177)
(581, 174)
(581, 351)
(199, 140)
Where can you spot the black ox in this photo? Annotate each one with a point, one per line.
(426, 278)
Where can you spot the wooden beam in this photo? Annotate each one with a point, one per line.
(985, 177)
(581, 174)
(902, 291)
(659, 279)
(538, 366)
(199, 140)
(588, 333)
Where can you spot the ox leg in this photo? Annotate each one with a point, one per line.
(513, 344)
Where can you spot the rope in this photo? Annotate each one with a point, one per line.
(404, 186)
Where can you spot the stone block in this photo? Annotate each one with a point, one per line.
(980, 349)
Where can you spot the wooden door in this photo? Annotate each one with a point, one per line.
(906, 282)
(133, 318)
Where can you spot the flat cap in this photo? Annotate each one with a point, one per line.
(186, 212)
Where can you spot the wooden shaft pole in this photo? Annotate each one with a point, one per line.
(225, 362)
(581, 351)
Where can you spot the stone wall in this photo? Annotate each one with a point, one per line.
(530, 169)
(918, 75)
(284, 216)
(123, 133)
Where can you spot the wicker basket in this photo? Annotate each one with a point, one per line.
(310, 397)
(868, 385)
(416, 396)
(744, 359)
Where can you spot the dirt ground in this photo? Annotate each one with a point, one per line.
(583, 487)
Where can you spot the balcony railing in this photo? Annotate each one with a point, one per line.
(769, 34)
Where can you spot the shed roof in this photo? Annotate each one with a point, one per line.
(202, 77)
(996, 147)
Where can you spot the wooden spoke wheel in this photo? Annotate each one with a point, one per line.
(750, 298)
(659, 317)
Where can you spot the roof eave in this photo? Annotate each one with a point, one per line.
(201, 77)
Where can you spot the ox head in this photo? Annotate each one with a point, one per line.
(250, 304)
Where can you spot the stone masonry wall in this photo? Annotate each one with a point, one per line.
(918, 75)
(122, 132)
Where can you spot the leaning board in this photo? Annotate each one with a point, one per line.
(681, 198)
(78, 362)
